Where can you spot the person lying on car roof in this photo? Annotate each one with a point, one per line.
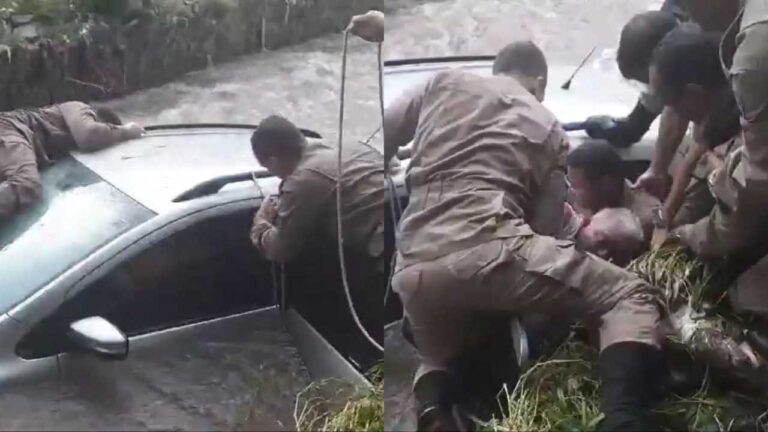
(32, 138)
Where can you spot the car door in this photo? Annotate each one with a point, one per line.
(208, 349)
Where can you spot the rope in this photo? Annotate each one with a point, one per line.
(340, 237)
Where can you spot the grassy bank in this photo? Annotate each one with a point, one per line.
(562, 394)
(336, 406)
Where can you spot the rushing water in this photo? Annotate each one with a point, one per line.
(302, 82)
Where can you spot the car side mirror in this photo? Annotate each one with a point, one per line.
(95, 335)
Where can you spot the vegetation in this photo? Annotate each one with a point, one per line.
(562, 394)
(336, 406)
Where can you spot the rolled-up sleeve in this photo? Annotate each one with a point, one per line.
(87, 131)
(401, 119)
(306, 202)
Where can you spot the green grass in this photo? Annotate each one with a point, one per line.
(562, 394)
(682, 278)
(335, 405)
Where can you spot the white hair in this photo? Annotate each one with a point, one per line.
(619, 224)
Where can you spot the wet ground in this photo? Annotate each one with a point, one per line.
(241, 376)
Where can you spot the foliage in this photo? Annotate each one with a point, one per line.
(683, 279)
(562, 395)
(334, 405)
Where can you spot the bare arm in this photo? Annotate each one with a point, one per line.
(681, 180)
(672, 129)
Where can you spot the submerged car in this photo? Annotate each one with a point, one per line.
(598, 89)
(131, 297)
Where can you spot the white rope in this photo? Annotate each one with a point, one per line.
(340, 237)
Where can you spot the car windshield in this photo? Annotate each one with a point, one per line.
(78, 213)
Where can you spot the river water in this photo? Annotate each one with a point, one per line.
(302, 82)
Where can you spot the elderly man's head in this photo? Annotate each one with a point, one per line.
(614, 234)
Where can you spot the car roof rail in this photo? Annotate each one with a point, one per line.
(214, 185)
(160, 127)
(445, 59)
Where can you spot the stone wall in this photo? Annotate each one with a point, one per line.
(111, 57)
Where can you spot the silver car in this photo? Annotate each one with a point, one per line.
(131, 297)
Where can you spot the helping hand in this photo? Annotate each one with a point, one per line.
(369, 27)
(654, 184)
(659, 238)
(268, 209)
(134, 130)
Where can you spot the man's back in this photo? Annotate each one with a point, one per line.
(362, 191)
(483, 147)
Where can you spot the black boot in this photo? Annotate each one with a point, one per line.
(632, 375)
(536, 337)
(437, 403)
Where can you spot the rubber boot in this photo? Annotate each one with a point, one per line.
(632, 375)
(536, 337)
(437, 403)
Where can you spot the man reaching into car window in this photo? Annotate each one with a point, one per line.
(32, 138)
(305, 211)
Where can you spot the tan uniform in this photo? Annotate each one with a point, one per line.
(483, 149)
(33, 138)
(740, 187)
(307, 206)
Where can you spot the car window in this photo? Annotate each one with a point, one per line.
(78, 213)
(207, 270)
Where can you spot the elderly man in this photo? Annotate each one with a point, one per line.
(483, 148)
(597, 182)
(35, 137)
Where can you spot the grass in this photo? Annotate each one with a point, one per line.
(335, 405)
(683, 279)
(562, 394)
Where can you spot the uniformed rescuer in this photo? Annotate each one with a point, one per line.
(33, 138)
(483, 149)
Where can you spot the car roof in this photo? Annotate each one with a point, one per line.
(597, 89)
(169, 160)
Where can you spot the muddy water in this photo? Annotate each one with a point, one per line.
(243, 377)
(301, 83)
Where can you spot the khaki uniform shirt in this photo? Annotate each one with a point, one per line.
(482, 149)
(307, 203)
(33, 138)
(740, 188)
